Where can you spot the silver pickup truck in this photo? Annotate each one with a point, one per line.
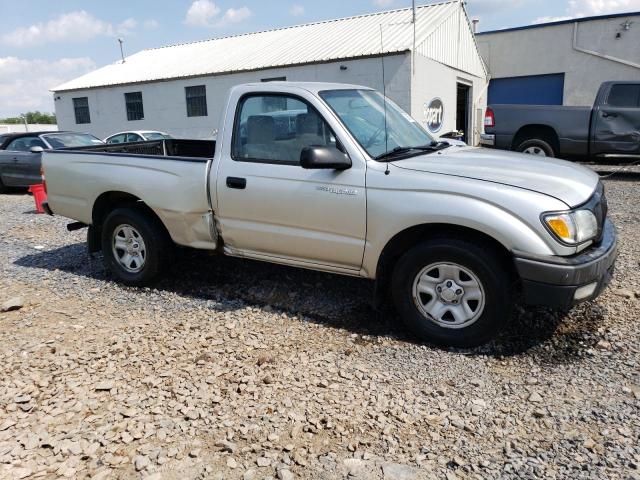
(332, 177)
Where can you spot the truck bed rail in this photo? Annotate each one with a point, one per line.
(162, 148)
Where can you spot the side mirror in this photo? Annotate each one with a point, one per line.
(321, 157)
(36, 149)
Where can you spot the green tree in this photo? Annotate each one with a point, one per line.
(32, 117)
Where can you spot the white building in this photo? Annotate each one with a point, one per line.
(561, 63)
(180, 89)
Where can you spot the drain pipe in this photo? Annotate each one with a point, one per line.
(477, 126)
(597, 54)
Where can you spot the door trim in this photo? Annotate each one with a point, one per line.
(294, 262)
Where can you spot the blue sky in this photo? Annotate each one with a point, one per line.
(44, 42)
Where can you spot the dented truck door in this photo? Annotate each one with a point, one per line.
(616, 122)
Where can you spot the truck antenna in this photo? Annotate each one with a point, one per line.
(384, 99)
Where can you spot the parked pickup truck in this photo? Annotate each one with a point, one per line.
(609, 129)
(313, 175)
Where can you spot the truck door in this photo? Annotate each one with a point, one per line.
(616, 127)
(270, 207)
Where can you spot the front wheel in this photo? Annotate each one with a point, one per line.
(453, 292)
(135, 246)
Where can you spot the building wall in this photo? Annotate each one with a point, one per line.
(165, 106)
(549, 49)
(435, 80)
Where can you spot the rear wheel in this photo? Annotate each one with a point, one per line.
(135, 246)
(453, 292)
(536, 146)
(3, 188)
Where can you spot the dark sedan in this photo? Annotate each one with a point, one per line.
(20, 154)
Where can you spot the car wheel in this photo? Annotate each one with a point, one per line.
(3, 188)
(536, 146)
(452, 292)
(135, 246)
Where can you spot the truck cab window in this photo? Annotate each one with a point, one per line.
(624, 96)
(277, 135)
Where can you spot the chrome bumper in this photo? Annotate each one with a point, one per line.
(487, 139)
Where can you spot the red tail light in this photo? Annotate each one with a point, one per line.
(489, 118)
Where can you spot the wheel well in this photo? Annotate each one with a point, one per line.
(542, 132)
(412, 236)
(105, 204)
(109, 201)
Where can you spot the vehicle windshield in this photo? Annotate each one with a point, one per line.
(363, 113)
(66, 140)
(156, 135)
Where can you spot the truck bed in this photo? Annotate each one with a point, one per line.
(89, 175)
(570, 123)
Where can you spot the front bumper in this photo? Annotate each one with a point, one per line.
(562, 282)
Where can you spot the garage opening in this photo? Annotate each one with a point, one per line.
(462, 110)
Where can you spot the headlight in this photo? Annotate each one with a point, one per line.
(572, 227)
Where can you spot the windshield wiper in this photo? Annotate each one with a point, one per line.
(432, 147)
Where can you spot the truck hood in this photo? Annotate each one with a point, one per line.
(566, 181)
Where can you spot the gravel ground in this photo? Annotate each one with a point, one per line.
(237, 369)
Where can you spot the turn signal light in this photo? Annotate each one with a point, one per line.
(560, 226)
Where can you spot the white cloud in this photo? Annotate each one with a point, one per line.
(126, 26)
(587, 8)
(383, 3)
(296, 10)
(551, 19)
(235, 15)
(73, 27)
(150, 24)
(25, 84)
(202, 13)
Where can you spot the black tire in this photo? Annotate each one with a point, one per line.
(481, 260)
(539, 145)
(3, 188)
(157, 245)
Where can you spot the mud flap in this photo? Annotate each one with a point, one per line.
(93, 240)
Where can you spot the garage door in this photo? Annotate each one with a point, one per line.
(530, 90)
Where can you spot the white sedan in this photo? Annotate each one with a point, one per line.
(137, 136)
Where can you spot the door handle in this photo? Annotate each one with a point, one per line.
(607, 115)
(236, 182)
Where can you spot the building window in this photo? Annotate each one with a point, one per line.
(134, 105)
(274, 79)
(81, 108)
(196, 101)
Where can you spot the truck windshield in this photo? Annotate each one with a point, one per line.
(363, 113)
